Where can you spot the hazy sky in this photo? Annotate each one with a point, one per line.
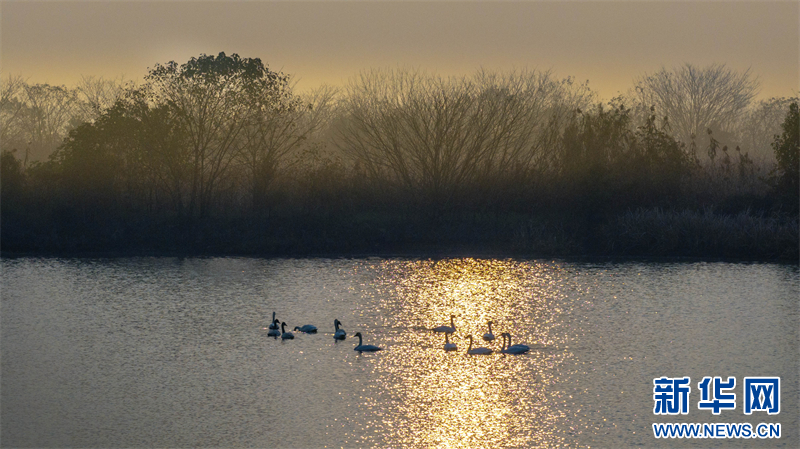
(608, 43)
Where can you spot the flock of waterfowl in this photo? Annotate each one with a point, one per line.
(338, 334)
(506, 348)
(278, 329)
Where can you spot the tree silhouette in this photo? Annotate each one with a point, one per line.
(787, 153)
(696, 98)
(274, 132)
(432, 136)
(35, 118)
(214, 100)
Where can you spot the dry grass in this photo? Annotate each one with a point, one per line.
(703, 233)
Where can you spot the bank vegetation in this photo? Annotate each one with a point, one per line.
(220, 155)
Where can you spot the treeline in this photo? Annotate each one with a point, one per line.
(219, 155)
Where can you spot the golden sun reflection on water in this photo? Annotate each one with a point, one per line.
(450, 399)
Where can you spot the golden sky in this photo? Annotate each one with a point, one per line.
(608, 43)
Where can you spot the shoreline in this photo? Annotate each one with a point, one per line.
(410, 255)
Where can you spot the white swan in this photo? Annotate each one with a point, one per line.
(286, 335)
(340, 334)
(274, 324)
(489, 336)
(477, 351)
(447, 345)
(447, 329)
(307, 329)
(513, 349)
(273, 329)
(365, 348)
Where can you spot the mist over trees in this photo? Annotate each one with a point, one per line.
(220, 155)
(758, 126)
(695, 99)
(211, 103)
(432, 137)
(787, 151)
(34, 119)
(192, 138)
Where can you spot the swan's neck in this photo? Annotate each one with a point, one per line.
(359, 340)
(446, 339)
(470, 343)
(509, 340)
(283, 328)
(490, 327)
(336, 324)
(452, 324)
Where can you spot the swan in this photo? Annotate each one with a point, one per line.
(286, 335)
(307, 329)
(273, 329)
(477, 351)
(274, 324)
(340, 334)
(513, 349)
(447, 345)
(489, 336)
(365, 348)
(447, 329)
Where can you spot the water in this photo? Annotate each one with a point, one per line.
(165, 352)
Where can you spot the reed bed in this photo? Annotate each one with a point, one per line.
(705, 232)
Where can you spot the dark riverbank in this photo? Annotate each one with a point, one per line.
(644, 233)
(485, 165)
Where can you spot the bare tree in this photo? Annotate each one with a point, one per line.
(49, 116)
(758, 126)
(12, 111)
(97, 94)
(35, 118)
(274, 132)
(697, 98)
(529, 109)
(431, 135)
(412, 130)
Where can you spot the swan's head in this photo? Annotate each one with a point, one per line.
(357, 334)
(297, 328)
(336, 322)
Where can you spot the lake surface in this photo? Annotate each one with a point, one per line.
(174, 352)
